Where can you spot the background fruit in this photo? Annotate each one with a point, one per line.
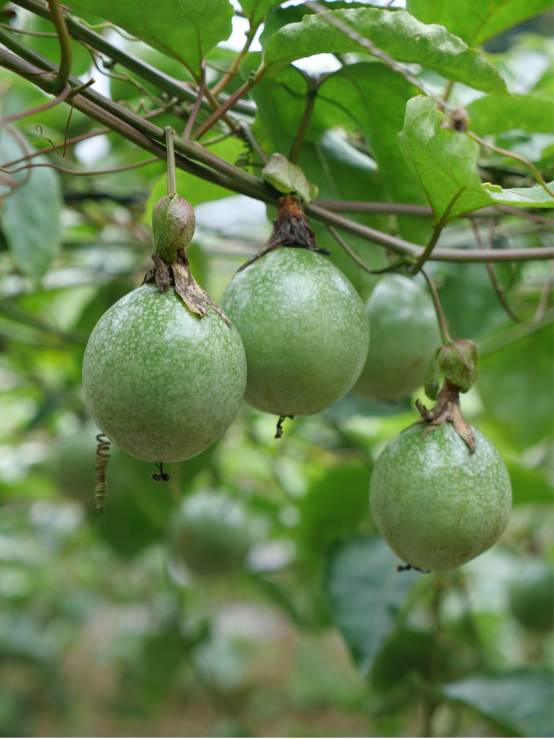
(211, 533)
(532, 596)
(304, 330)
(404, 335)
(435, 504)
(161, 382)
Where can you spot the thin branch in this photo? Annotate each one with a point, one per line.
(304, 123)
(28, 33)
(197, 104)
(66, 53)
(499, 291)
(352, 254)
(443, 326)
(32, 111)
(220, 112)
(232, 71)
(353, 35)
(254, 143)
(81, 173)
(436, 235)
(512, 155)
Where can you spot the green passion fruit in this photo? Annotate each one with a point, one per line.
(211, 533)
(160, 381)
(532, 596)
(404, 335)
(304, 330)
(436, 504)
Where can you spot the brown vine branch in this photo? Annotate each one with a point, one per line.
(352, 254)
(499, 291)
(220, 112)
(192, 118)
(81, 173)
(233, 68)
(305, 121)
(17, 116)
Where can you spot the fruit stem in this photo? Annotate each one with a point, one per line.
(171, 179)
(443, 326)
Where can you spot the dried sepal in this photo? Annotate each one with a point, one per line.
(447, 410)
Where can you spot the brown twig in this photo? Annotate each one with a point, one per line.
(443, 326)
(196, 108)
(436, 235)
(352, 254)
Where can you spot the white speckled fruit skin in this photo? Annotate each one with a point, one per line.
(304, 329)
(435, 504)
(161, 382)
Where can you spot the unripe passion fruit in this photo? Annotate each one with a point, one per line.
(160, 381)
(404, 335)
(304, 330)
(211, 533)
(436, 504)
(532, 596)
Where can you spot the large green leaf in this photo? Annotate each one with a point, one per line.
(397, 33)
(185, 29)
(519, 701)
(445, 161)
(493, 114)
(515, 384)
(375, 98)
(279, 17)
(31, 215)
(256, 9)
(365, 592)
(475, 21)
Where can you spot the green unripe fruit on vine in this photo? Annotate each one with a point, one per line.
(304, 330)
(404, 335)
(532, 596)
(211, 533)
(160, 381)
(436, 504)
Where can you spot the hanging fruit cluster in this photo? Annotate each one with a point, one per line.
(166, 369)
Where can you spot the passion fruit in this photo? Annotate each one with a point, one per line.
(436, 504)
(162, 382)
(404, 335)
(304, 329)
(532, 596)
(211, 533)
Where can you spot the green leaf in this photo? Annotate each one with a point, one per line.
(288, 178)
(255, 10)
(365, 592)
(395, 32)
(475, 21)
(493, 114)
(31, 215)
(445, 161)
(515, 385)
(519, 701)
(187, 29)
(529, 485)
(279, 17)
(324, 514)
(374, 97)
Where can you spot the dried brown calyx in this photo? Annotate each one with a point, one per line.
(447, 410)
(290, 228)
(177, 274)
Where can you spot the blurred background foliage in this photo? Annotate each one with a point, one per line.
(106, 627)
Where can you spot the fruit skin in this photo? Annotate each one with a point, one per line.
(435, 504)
(532, 596)
(161, 382)
(304, 330)
(404, 335)
(210, 533)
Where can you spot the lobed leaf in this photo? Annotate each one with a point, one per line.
(184, 29)
(395, 32)
(445, 161)
(475, 21)
(365, 593)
